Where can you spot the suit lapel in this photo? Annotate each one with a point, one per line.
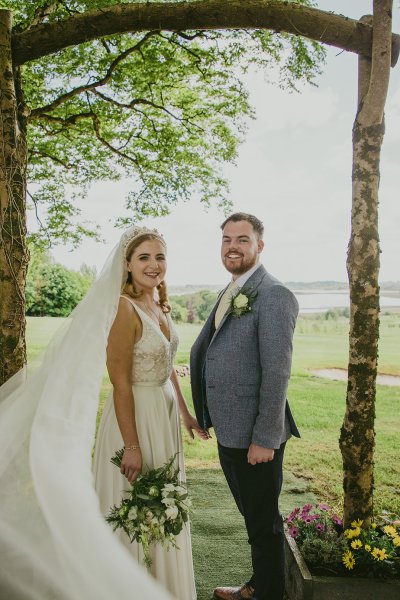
(251, 285)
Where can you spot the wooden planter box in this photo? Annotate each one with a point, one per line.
(301, 585)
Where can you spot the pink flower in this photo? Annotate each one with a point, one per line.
(320, 527)
(337, 520)
(323, 507)
(306, 508)
(294, 532)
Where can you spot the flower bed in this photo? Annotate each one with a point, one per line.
(325, 562)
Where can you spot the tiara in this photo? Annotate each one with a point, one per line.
(136, 232)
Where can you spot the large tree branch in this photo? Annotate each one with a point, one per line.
(325, 27)
(94, 84)
(65, 122)
(51, 157)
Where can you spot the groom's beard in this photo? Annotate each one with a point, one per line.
(240, 265)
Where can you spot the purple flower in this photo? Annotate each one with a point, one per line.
(306, 508)
(323, 507)
(337, 520)
(319, 527)
(293, 515)
(307, 519)
(294, 532)
(314, 517)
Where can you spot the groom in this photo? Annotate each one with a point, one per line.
(240, 369)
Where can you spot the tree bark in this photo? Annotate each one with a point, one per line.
(357, 439)
(325, 27)
(13, 250)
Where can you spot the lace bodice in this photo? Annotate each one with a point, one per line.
(153, 354)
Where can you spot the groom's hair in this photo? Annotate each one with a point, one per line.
(240, 216)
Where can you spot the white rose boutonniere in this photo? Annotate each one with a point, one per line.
(241, 302)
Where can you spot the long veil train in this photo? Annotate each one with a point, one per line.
(54, 542)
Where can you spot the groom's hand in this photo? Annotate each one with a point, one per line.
(258, 454)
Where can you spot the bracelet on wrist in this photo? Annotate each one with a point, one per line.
(133, 447)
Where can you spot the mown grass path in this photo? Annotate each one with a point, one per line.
(221, 553)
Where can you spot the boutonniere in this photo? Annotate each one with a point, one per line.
(241, 302)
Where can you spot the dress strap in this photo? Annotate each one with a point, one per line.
(129, 300)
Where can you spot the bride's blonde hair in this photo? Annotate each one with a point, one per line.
(129, 287)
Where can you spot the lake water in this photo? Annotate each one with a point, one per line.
(323, 301)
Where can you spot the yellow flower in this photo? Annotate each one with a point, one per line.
(348, 533)
(356, 544)
(373, 525)
(375, 553)
(367, 547)
(396, 540)
(379, 554)
(390, 530)
(352, 533)
(348, 560)
(357, 523)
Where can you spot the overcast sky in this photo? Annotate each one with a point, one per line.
(293, 172)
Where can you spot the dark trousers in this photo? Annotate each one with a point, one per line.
(256, 490)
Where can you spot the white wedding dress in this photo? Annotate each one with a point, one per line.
(158, 427)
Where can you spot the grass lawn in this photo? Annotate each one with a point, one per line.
(318, 405)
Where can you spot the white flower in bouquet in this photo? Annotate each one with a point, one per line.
(167, 488)
(168, 501)
(132, 514)
(181, 491)
(154, 491)
(172, 512)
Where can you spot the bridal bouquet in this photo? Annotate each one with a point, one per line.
(155, 508)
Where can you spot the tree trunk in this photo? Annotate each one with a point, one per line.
(13, 249)
(357, 439)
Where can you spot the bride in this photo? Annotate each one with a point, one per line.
(55, 542)
(143, 417)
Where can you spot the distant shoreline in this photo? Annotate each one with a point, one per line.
(387, 288)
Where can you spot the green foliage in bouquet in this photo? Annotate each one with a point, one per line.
(155, 508)
(369, 551)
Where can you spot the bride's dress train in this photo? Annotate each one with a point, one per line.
(55, 543)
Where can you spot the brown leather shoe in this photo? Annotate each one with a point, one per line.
(245, 592)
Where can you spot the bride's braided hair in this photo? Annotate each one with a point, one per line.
(129, 287)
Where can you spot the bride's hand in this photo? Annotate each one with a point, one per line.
(191, 425)
(131, 464)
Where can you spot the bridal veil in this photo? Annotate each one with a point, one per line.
(54, 542)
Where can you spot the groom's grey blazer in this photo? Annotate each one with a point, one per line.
(240, 372)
